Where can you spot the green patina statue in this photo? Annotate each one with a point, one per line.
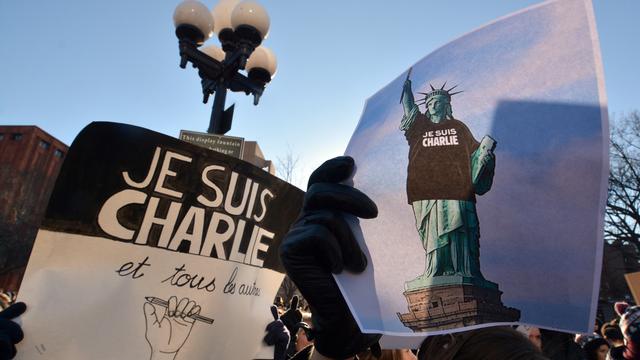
(447, 168)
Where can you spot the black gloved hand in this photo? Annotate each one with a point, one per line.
(10, 332)
(278, 335)
(320, 243)
(291, 319)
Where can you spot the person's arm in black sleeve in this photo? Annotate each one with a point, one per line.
(10, 332)
(321, 243)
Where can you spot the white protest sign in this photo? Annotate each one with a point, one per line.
(153, 248)
(488, 161)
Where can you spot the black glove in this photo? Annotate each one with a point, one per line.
(10, 332)
(320, 243)
(291, 319)
(278, 335)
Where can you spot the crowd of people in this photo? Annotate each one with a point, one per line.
(321, 243)
(606, 342)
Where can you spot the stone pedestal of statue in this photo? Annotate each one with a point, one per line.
(446, 302)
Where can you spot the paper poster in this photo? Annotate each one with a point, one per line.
(633, 281)
(488, 161)
(153, 248)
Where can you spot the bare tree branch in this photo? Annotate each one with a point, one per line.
(622, 221)
(287, 166)
(286, 169)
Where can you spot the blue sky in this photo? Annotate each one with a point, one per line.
(67, 63)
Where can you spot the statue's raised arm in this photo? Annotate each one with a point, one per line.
(408, 104)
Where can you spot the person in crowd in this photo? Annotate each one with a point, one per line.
(482, 344)
(292, 319)
(582, 339)
(277, 335)
(560, 346)
(10, 332)
(303, 341)
(533, 334)
(321, 243)
(6, 299)
(535, 337)
(596, 349)
(630, 327)
(611, 332)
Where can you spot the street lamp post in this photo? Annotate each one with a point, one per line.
(241, 27)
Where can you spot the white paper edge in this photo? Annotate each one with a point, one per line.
(604, 181)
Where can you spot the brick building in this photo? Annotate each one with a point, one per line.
(30, 160)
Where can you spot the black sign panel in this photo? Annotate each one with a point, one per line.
(134, 185)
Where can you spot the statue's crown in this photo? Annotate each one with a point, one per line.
(440, 91)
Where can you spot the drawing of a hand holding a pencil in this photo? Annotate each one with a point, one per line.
(166, 333)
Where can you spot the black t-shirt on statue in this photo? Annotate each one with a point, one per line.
(439, 160)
